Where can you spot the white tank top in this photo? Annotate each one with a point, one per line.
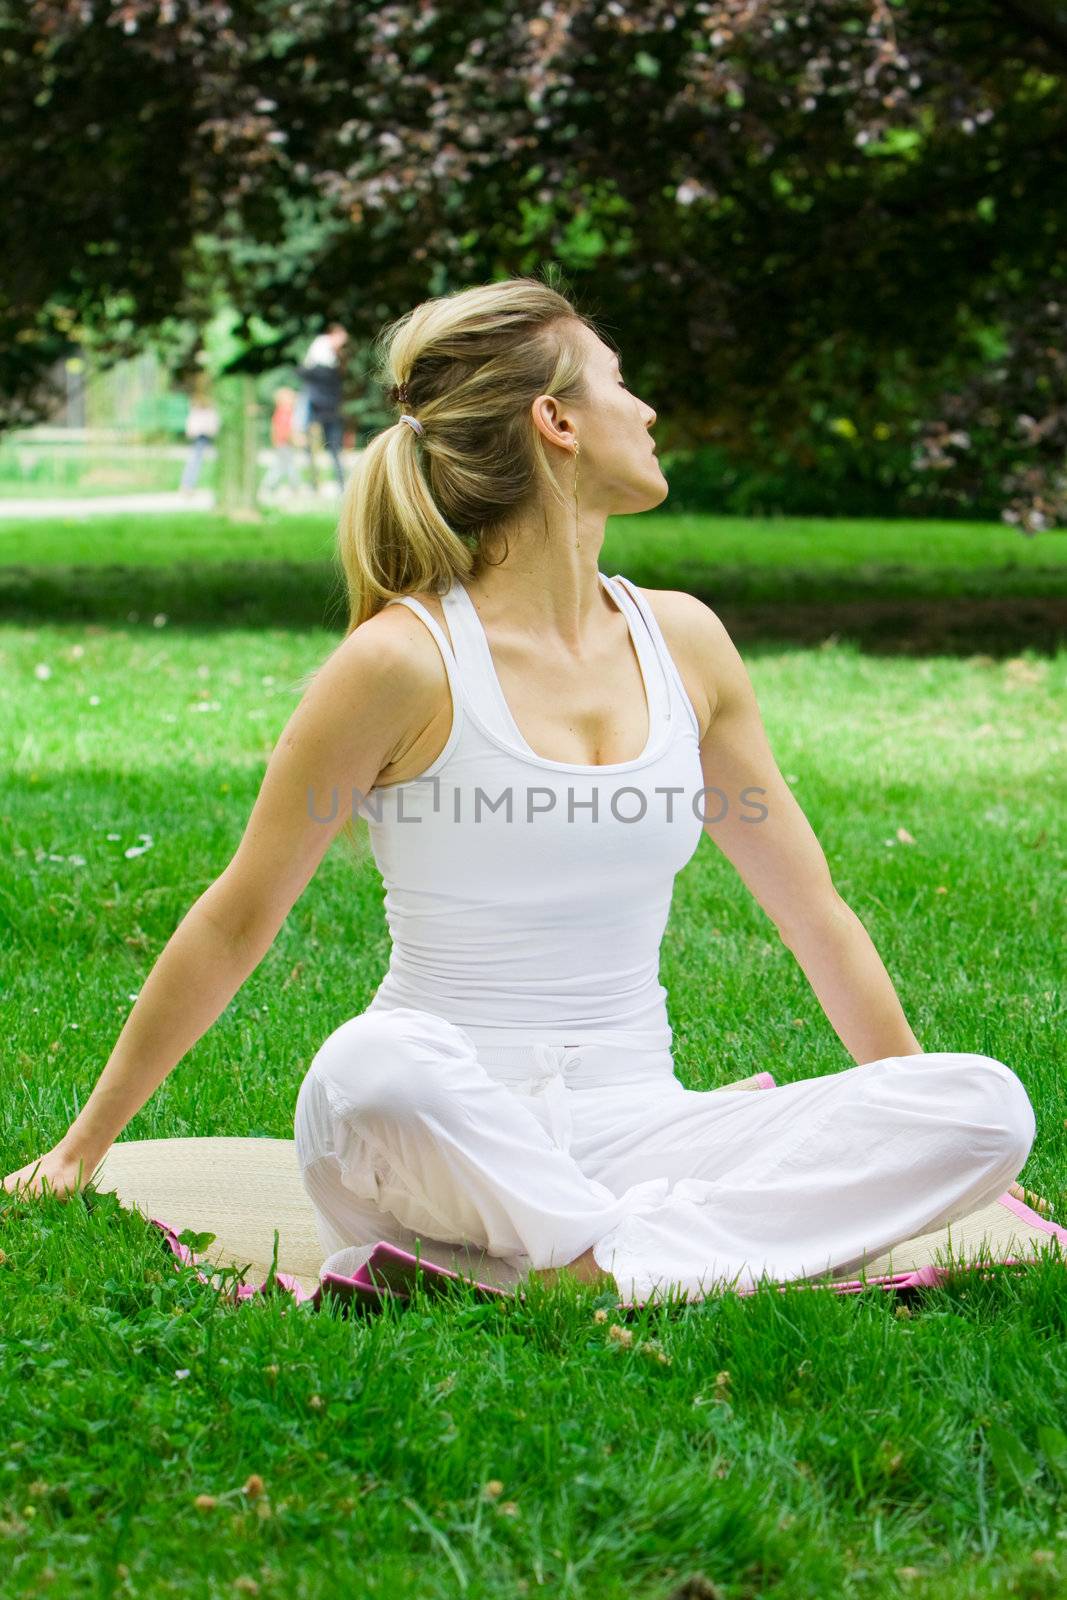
(526, 899)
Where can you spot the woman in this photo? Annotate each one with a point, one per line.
(537, 750)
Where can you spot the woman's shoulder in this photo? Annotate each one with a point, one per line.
(676, 606)
(696, 639)
(683, 616)
(410, 659)
(408, 647)
(400, 630)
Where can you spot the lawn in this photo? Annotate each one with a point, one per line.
(788, 1445)
(951, 585)
(758, 556)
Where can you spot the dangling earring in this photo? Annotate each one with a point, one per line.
(578, 536)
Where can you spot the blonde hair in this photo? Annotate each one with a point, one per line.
(421, 510)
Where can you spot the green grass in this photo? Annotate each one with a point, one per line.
(919, 557)
(201, 569)
(161, 541)
(850, 1440)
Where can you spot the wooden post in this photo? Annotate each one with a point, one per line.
(238, 473)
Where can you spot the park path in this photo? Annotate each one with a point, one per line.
(99, 505)
(105, 505)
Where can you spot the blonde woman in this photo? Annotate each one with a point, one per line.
(537, 749)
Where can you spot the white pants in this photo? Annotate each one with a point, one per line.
(525, 1155)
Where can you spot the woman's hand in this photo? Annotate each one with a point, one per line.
(65, 1174)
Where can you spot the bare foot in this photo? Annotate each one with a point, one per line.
(583, 1267)
(1028, 1197)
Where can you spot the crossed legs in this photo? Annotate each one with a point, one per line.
(401, 1132)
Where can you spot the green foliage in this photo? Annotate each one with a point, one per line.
(769, 215)
(843, 475)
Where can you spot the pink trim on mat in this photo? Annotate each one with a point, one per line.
(240, 1291)
(932, 1274)
(1034, 1218)
(362, 1287)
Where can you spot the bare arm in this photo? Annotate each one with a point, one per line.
(770, 842)
(353, 715)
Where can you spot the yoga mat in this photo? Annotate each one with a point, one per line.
(243, 1191)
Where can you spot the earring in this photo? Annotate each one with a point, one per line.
(577, 531)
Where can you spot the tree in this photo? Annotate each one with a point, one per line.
(779, 211)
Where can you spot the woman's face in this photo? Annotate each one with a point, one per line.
(618, 470)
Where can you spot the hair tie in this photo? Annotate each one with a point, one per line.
(413, 423)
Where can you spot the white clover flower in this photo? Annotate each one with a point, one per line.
(42, 670)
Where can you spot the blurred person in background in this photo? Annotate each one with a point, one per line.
(322, 381)
(300, 419)
(282, 475)
(201, 429)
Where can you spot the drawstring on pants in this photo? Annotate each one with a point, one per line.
(553, 1062)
